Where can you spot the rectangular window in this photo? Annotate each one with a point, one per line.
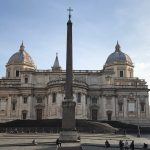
(25, 100)
(14, 102)
(130, 74)
(8, 74)
(142, 107)
(94, 100)
(13, 106)
(131, 107)
(121, 73)
(79, 98)
(86, 98)
(17, 73)
(54, 97)
(3, 104)
(26, 80)
(108, 101)
(120, 107)
(39, 100)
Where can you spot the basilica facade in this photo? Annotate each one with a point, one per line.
(112, 93)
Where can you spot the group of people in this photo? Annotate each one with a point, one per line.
(125, 145)
(122, 145)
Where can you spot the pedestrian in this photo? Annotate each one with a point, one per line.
(145, 146)
(107, 144)
(121, 144)
(126, 145)
(58, 143)
(132, 145)
(124, 131)
(34, 142)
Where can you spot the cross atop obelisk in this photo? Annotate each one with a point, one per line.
(70, 10)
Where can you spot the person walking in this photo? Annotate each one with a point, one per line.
(126, 145)
(145, 146)
(58, 143)
(132, 145)
(107, 144)
(121, 144)
(34, 142)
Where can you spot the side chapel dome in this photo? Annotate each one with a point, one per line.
(21, 58)
(118, 57)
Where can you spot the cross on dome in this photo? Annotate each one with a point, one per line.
(117, 47)
(22, 46)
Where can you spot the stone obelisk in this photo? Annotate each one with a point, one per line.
(69, 133)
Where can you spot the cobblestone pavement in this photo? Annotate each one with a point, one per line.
(46, 141)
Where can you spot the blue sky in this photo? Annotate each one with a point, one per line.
(97, 25)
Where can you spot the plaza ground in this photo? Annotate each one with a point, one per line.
(46, 141)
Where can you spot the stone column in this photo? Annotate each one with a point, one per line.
(69, 133)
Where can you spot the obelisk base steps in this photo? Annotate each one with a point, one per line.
(69, 136)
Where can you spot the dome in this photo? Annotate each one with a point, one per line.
(118, 57)
(21, 57)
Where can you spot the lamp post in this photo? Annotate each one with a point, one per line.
(138, 126)
(138, 133)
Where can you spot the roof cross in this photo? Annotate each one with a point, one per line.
(70, 10)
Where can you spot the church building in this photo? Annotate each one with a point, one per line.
(112, 93)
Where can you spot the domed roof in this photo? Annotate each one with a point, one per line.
(118, 57)
(21, 57)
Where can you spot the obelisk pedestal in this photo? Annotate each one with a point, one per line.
(69, 133)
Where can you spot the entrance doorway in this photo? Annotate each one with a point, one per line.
(94, 114)
(24, 114)
(39, 114)
(109, 114)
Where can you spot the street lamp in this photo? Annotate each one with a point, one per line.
(138, 133)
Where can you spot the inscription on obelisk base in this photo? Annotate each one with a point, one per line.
(69, 133)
